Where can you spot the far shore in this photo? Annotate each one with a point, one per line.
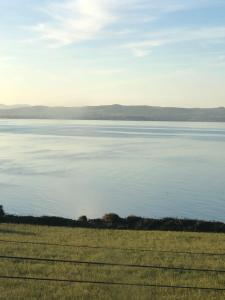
(116, 113)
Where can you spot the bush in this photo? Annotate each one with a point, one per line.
(133, 219)
(2, 213)
(83, 219)
(111, 218)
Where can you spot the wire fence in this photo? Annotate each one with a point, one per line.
(209, 289)
(95, 263)
(115, 248)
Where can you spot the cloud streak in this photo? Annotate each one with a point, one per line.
(77, 21)
(177, 35)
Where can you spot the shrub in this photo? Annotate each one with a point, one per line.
(133, 219)
(111, 218)
(2, 213)
(83, 219)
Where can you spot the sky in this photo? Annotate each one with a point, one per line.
(100, 52)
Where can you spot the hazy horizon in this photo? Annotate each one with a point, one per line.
(167, 53)
(19, 105)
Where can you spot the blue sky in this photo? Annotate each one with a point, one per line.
(91, 52)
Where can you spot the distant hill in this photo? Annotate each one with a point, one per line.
(3, 106)
(116, 112)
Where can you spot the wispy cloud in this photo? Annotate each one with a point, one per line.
(177, 35)
(76, 21)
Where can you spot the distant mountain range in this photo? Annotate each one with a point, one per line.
(114, 112)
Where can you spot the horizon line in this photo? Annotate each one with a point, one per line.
(23, 105)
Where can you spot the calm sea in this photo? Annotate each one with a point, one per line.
(152, 169)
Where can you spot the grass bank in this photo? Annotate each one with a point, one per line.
(48, 243)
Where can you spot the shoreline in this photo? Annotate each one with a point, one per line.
(113, 221)
(116, 112)
(111, 120)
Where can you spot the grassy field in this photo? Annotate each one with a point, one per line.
(194, 242)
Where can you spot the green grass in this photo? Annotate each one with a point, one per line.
(194, 242)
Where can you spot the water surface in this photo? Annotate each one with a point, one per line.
(152, 169)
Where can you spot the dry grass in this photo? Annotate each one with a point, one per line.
(195, 242)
